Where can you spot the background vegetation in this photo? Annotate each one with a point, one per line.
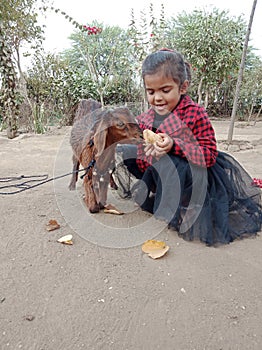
(104, 63)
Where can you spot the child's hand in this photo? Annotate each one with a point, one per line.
(149, 150)
(159, 148)
(163, 147)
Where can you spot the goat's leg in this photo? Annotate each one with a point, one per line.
(74, 178)
(90, 197)
(103, 189)
(113, 185)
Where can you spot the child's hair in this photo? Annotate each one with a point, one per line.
(170, 63)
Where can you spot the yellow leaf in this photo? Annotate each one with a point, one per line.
(66, 239)
(111, 209)
(155, 249)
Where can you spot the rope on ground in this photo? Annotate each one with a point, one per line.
(37, 180)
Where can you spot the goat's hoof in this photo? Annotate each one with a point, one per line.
(94, 210)
(72, 187)
(101, 206)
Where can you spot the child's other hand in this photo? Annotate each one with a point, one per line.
(149, 149)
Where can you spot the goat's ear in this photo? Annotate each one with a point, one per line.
(101, 135)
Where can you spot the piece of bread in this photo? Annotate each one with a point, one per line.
(150, 136)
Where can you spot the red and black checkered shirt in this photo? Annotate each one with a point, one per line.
(191, 130)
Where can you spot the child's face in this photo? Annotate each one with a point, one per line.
(163, 93)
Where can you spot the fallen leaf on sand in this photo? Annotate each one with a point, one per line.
(155, 249)
(110, 209)
(29, 317)
(52, 225)
(66, 239)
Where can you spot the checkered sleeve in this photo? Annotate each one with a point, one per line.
(192, 133)
(195, 140)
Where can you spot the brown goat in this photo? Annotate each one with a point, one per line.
(85, 107)
(94, 137)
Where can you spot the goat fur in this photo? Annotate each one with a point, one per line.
(94, 136)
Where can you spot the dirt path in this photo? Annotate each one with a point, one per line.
(90, 296)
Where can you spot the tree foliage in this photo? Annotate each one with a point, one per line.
(104, 62)
(147, 33)
(251, 91)
(9, 100)
(103, 55)
(18, 25)
(212, 42)
(47, 90)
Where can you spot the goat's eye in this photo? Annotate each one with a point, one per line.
(120, 124)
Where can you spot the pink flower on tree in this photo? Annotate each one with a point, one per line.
(92, 30)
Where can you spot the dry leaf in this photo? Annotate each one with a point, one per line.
(66, 239)
(52, 225)
(29, 317)
(110, 209)
(155, 249)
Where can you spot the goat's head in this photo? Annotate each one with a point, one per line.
(85, 107)
(116, 126)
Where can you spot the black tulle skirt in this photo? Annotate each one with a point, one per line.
(215, 205)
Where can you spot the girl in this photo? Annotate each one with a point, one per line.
(202, 193)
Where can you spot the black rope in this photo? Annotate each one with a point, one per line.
(26, 185)
(9, 179)
(91, 164)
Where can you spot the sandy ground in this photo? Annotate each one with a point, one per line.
(100, 296)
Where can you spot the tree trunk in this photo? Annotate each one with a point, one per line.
(240, 74)
(250, 112)
(258, 113)
(199, 91)
(206, 99)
